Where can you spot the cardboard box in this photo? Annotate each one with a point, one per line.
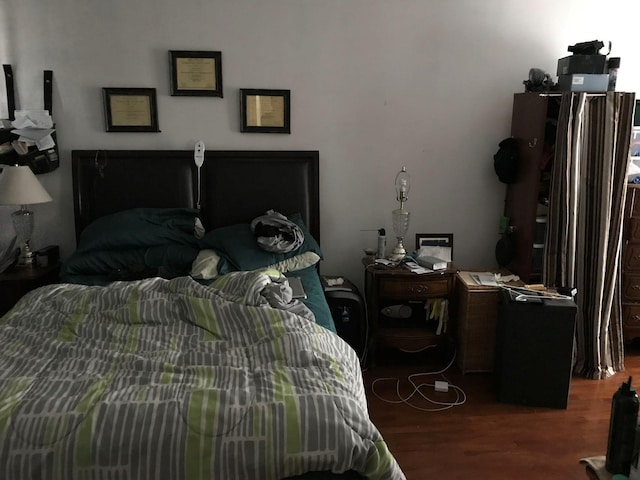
(583, 82)
(582, 64)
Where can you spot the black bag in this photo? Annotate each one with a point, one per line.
(506, 160)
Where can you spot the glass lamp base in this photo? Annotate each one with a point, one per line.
(27, 257)
(398, 252)
(23, 224)
(400, 219)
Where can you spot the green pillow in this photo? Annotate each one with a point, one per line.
(140, 227)
(108, 262)
(237, 243)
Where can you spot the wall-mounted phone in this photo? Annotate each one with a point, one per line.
(198, 158)
(40, 161)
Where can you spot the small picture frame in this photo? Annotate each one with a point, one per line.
(130, 109)
(265, 111)
(438, 245)
(196, 73)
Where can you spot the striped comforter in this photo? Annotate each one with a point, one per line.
(160, 379)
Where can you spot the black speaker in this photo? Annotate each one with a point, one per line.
(534, 349)
(348, 312)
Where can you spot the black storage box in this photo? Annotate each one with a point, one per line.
(534, 349)
(348, 312)
(582, 64)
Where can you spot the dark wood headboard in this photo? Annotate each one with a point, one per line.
(235, 186)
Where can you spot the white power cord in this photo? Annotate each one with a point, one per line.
(439, 386)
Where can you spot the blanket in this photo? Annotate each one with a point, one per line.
(171, 379)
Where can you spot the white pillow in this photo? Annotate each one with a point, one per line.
(298, 262)
(205, 266)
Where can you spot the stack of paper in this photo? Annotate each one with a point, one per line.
(34, 127)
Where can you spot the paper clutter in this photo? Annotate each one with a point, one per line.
(34, 127)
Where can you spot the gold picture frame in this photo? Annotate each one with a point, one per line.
(265, 111)
(196, 73)
(130, 109)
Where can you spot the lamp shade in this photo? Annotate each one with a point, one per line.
(19, 186)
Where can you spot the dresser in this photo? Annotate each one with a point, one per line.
(631, 265)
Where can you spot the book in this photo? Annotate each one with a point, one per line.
(296, 287)
(334, 284)
(433, 263)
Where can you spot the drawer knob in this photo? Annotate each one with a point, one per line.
(635, 287)
(420, 289)
(635, 318)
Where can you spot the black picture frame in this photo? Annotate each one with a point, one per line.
(277, 119)
(442, 244)
(130, 109)
(196, 73)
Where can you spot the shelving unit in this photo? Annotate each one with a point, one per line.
(534, 126)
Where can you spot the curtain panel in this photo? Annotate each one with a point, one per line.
(585, 220)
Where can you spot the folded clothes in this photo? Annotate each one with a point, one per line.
(276, 233)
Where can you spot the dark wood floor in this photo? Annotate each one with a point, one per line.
(485, 439)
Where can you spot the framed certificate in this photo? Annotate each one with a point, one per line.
(265, 111)
(196, 73)
(130, 109)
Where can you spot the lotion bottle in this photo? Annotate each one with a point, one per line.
(382, 244)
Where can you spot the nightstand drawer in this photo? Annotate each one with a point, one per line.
(630, 321)
(630, 288)
(632, 230)
(632, 257)
(410, 289)
(631, 315)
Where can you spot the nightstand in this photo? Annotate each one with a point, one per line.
(20, 280)
(406, 292)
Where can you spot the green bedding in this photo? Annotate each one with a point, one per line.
(171, 379)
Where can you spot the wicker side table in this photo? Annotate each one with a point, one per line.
(477, 313)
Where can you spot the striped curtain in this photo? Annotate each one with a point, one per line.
(584, 230)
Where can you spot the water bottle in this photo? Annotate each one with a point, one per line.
(622, 429)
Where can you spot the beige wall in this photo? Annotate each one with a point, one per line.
(376, 85)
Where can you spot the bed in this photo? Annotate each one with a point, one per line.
(135, 368)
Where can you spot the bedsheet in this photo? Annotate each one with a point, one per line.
(171, 379)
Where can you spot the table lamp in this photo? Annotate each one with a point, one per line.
(400, 215)
(19, 186)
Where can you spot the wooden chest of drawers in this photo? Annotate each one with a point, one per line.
(631, 265)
